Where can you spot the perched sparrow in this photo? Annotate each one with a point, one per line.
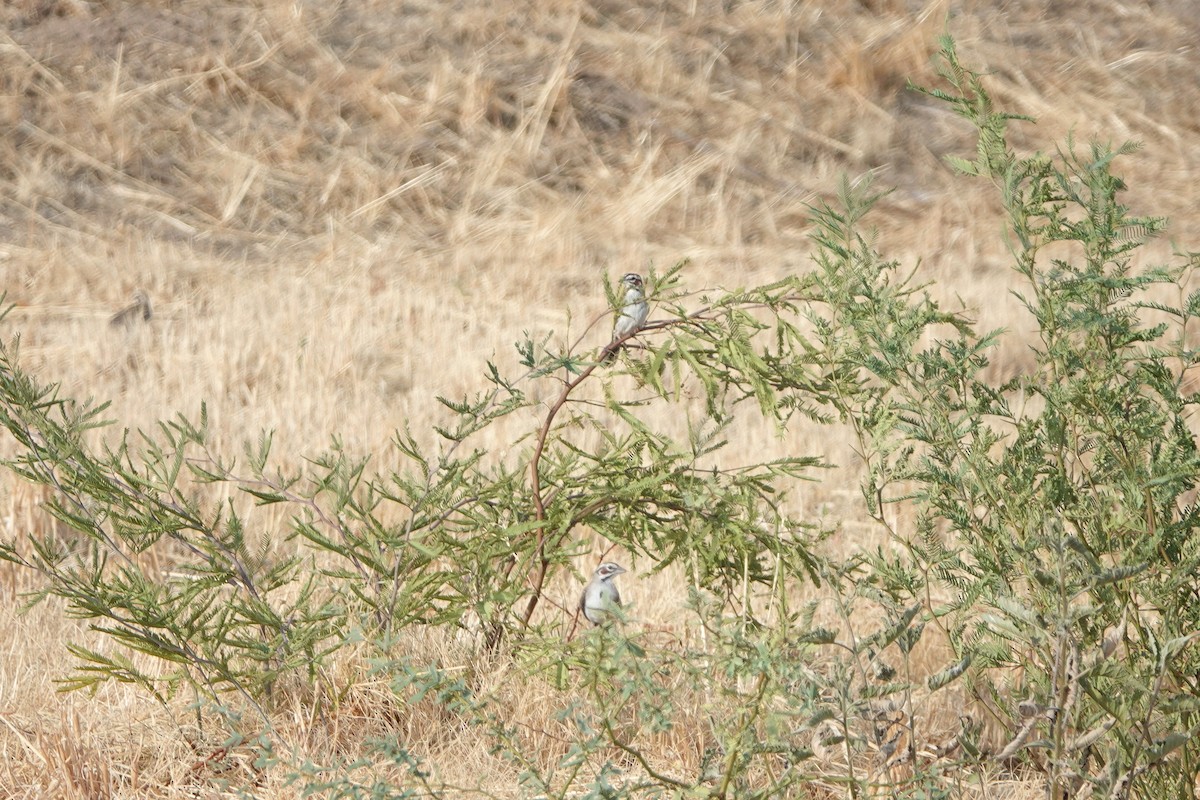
(138, 310)
(600, 596)
(632, 316)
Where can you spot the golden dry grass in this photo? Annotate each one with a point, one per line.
(341, 210)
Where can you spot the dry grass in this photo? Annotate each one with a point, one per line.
(341, 210)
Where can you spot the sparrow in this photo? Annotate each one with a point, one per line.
(600, 596)
(631, 317)
(139, 309)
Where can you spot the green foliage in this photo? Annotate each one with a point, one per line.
(1063, 524)
(1049, 561)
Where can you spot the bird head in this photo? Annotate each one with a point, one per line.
(608, 569)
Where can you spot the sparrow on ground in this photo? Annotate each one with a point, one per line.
(600, 597)
(139, 309)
